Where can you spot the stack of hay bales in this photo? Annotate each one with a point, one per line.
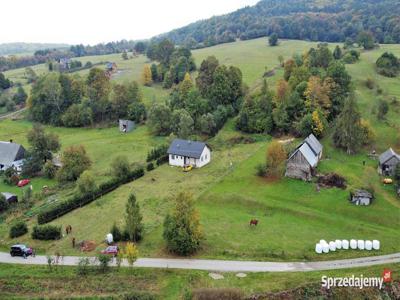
(326, 247)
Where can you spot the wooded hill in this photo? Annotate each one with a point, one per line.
(316, 20)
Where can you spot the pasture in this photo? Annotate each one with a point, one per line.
(292, 214)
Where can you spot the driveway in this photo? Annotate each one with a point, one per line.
(224, 265)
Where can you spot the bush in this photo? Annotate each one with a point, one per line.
(104, 261)
(76, 201)
(47, 232)
(83, 266)
(150, 166)
(116, 233)
(217, 294)
(261, 170)
(370, 83)
(139, 296)
(3, 203)
(49, 170)
(157, 152)
(120, 167)
(162, 160)
(388, 65)
(18, 229)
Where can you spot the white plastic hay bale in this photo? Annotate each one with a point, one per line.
(338, 244)
(109, 238)
(345, 244)
(368, 245)
(376, 244)
(323, 242)
(361, 244)
(332, 246)
(318, 248)
(325, 248)
(353, 244)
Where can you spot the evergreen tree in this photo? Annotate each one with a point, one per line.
(124, 55)
(348, 130)
(133, 219)
(273, 39)
(337, 53)
(147, 76)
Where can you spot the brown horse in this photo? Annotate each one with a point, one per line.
(68, 229)
(254, 222)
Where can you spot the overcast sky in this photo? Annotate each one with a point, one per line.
(95, 21)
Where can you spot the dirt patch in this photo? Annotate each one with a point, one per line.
(87, 246)
(331, 180)
(241, 139)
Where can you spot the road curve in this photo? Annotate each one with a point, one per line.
(223, 265)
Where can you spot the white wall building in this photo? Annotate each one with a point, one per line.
(183, 153)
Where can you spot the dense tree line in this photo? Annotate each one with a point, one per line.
(329, 21)
(310, 95)
(173, 63)
(72, 101)
(202, 106)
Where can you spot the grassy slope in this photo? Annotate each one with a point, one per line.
(292, 215)
(37, 281)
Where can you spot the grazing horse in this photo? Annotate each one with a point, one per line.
(253, 222)
(68, 229)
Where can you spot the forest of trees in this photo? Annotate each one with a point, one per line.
(328, 21)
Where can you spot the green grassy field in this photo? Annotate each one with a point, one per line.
(293, 216)
(28, 282)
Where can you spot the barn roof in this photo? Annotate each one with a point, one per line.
(308, 154)
(388, 154)
(10, 152)
(186, 148)
(314, 144)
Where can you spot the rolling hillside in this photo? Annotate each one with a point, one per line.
(316, 20)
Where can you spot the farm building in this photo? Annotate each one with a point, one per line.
(388, 161)
(10, 198)
(65, 63)
(11, 155)
(184, 152)
(361, 197)
(111, 67)
(126, 126)
(302, 163)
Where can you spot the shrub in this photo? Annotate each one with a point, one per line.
(157, 152)
(120, 167)
(49, 170)
(162, 160)
(150, 166)
(139, 296)
(3, 203)
(18, 229)
(116, 233)
(46, 232)
(383, 109)
(104, 261)
(76, 201)
(370, 83)
(86, 184)
(83, 266)
(261, 170)
(388, 65)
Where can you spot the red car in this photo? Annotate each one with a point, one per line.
(23, 182)
(111, 250)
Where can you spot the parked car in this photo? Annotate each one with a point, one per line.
(187, 168)
(23, 182)
(20, 250)
(111, 250)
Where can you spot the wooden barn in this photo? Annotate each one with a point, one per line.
(388, 162)
(302, 163)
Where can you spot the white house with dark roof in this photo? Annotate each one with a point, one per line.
(11, 155)
(184, 152)
(388, 162)
(302, 163)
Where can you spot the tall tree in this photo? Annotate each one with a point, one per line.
(74, 161)
(133, 219)
(182, 231)
(275, 159)
(147, 76)
(206, 75)
(273, 39)
(348, 130)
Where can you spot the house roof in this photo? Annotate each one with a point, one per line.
(10, 152)
(186, 148)
(362, 194)
(388, 154)
(308, 154)
(314, 144)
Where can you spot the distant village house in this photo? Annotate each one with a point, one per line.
(388, 162)
(11, 155)
(184, 152)
(65, 63)
(304, 160)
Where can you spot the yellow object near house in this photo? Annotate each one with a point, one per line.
(387, 181)
(187, 168)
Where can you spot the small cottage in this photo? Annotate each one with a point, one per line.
(11, 155)
(302, 163)
(126, 126)
(10, 198)
(184, 152)
(388, 161)
(361, 197)
(65, 63)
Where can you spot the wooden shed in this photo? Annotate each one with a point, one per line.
(388, 162)
(361, 197)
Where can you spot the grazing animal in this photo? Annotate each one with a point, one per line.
(254, 222)
(68, 229)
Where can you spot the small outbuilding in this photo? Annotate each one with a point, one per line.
(10, 198)
(302, 163)
(361, 197)
(388, 162)
(126, 126)
(184, 152)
